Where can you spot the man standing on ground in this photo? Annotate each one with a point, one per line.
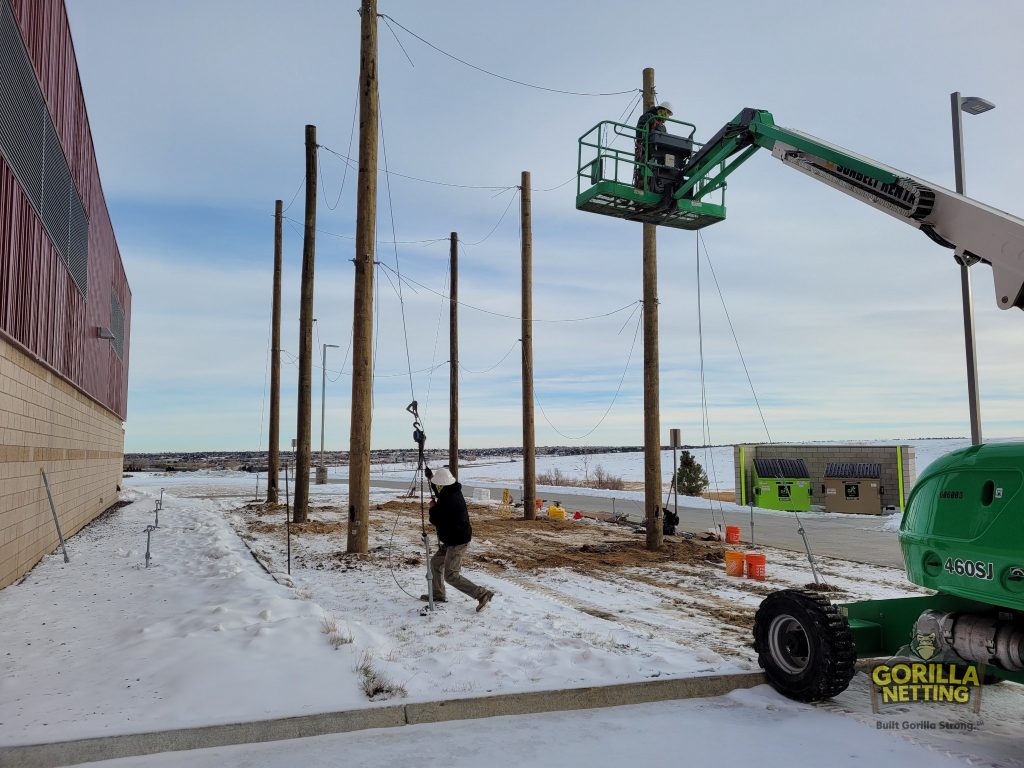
(449, 515)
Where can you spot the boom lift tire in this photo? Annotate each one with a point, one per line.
(804, 645)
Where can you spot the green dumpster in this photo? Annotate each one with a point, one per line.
(782, 484)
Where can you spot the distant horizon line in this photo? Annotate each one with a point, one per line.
(577, 449)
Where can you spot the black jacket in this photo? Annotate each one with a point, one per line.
(450, 516)
(650, 117)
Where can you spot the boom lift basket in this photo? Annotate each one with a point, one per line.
(615, 179)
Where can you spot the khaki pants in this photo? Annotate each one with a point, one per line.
(450, 559)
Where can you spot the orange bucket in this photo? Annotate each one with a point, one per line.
(756, 566)
(732, 534)
(734, 563)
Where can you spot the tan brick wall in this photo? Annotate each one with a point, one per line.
(818, 456)
(45, 423)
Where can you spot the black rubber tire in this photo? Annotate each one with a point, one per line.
(818, 657)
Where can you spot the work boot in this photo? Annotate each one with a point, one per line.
(485, 598)
(426, 599)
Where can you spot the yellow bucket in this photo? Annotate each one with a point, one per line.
(556, 512)
(733, 563)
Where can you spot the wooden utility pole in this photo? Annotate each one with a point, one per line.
(362, 321)
(652, 385)
(274, 459)
(303, 429)
(529, 439)
(453, 354)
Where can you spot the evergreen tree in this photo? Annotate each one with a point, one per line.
(691, 479)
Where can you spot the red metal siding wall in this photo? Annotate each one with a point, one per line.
(40, 306)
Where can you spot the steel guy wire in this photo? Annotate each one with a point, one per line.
(394, 236)
(437, 332)
(395, 35)
(735, 339)
(705, 427)
(496, 75)
(615, 397)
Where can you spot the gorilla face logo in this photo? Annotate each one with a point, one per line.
(923, 646)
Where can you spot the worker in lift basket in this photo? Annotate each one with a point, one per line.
(652, 120)
(449, 515)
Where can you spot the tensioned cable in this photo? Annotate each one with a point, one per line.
(409, 280)
(437, 332)
(355, 164)
(735, 339)
(266, 376)
(704, 423)
(615, 397)
(394, 236)
(495, 74)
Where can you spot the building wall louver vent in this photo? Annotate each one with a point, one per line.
(31, 148)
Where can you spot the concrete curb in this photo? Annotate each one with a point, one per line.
(109, 747)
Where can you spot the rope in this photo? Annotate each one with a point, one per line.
(494, 74)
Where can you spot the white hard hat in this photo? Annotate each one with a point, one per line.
(667, 105)
(442, 477)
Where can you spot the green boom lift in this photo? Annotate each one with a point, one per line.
(962, 534)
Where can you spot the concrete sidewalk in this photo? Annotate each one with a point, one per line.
(133, 745)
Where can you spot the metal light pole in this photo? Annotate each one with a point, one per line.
(972, 105)
(321, 471)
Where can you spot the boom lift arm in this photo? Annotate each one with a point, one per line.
(680, 191)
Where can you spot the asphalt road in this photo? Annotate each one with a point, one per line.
(848, 537)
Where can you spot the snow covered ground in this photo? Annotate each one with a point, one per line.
(103, 645)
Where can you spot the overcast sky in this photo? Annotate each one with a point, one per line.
(849, 321)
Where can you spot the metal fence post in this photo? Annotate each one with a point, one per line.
(53, 509)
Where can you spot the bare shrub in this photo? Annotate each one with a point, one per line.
(335, 636)
(599, 478)
(373, 683)
(555, 477)
(602, 479)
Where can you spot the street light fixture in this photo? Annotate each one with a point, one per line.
(972, 105)
(321, 471)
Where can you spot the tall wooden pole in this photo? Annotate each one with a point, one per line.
(362, 322)
(453, 355)
(529, 439)
(652, 386)
(303, 428)
(274, 459)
